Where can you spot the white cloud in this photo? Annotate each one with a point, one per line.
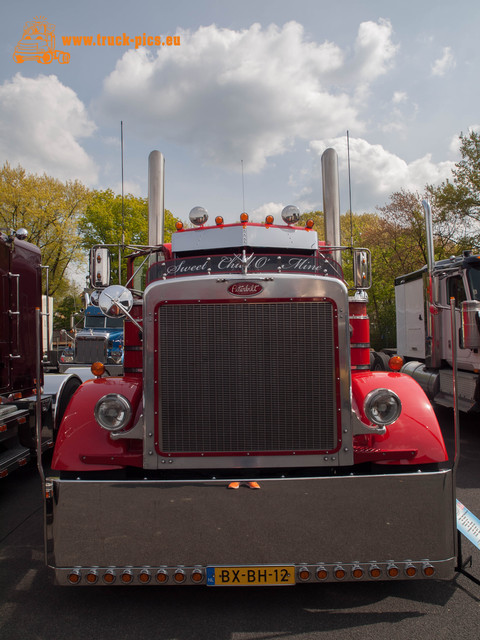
(246, 95)
(41, 121)
(266, 209)
(444, 64)
(399, 97)
(377, 173)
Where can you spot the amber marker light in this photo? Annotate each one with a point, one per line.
(322, 573)
(179, 225)
(410, 571)
(98, 369)
(357, 573)
(74, 577)
(392, 571)
(244, 217)
(428, 570)
(304, 573)
(91, 577)
(179, 576)
(219, 221)
(310, 224)
(395, 363)
(339, 573)
(126, 577)
(269, 220)
(197, 576)
(162, 576)
(144, 576)
(109, 577)
(375, 572)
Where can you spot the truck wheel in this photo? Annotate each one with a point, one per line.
(380, 361)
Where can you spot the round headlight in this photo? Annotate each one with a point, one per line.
(113, 412)
(382, 406)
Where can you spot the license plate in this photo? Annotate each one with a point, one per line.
(250, 576)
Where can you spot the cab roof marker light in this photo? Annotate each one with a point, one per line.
(310, 224)
(219, 221)
(244, 217)
(179, 225)
(269, 219)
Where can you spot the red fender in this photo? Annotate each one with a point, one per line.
(416, 428)
(82, 445)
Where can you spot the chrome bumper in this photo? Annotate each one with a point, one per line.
(141, 528)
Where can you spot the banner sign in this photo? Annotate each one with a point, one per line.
(468, 524)
(322, 265)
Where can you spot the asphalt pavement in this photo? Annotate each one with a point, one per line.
(32, 608)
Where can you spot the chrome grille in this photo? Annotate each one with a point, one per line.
(245, 377)
(90, 349)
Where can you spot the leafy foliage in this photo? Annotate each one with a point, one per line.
(49, 209)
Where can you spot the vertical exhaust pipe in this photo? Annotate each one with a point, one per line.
(432, 346)
(331, 200)
(156, 198)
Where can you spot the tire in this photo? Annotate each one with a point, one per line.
(380, 361)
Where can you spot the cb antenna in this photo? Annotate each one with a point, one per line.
(120, 248)
(349, 189)
(243, 189)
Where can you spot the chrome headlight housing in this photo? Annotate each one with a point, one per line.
(113, 412)
(382, 407)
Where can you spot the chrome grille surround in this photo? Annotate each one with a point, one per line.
(247, 382)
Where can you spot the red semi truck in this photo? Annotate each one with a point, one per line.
(21, 375)
(248, 442)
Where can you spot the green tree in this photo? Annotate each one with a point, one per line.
(49, 209)
(457, 201)
(106, 222)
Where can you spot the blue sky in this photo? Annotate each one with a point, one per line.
(269, 83)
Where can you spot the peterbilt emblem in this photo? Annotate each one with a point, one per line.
(245, 288)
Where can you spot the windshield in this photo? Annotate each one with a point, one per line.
(473, 273)
(94, 322)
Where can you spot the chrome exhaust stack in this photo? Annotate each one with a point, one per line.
(331, 200)
(156, 198)
(432, 346)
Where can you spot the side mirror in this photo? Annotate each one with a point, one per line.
(115, 301)
(99, 267)
(471, 324)
(362, 269)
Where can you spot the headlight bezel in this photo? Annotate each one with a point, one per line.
(372, 406)
(124, 412)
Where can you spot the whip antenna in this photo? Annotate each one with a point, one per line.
(349, 190)
(243, 189)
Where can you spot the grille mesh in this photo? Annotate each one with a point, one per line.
(247, 377)
(90, 349)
